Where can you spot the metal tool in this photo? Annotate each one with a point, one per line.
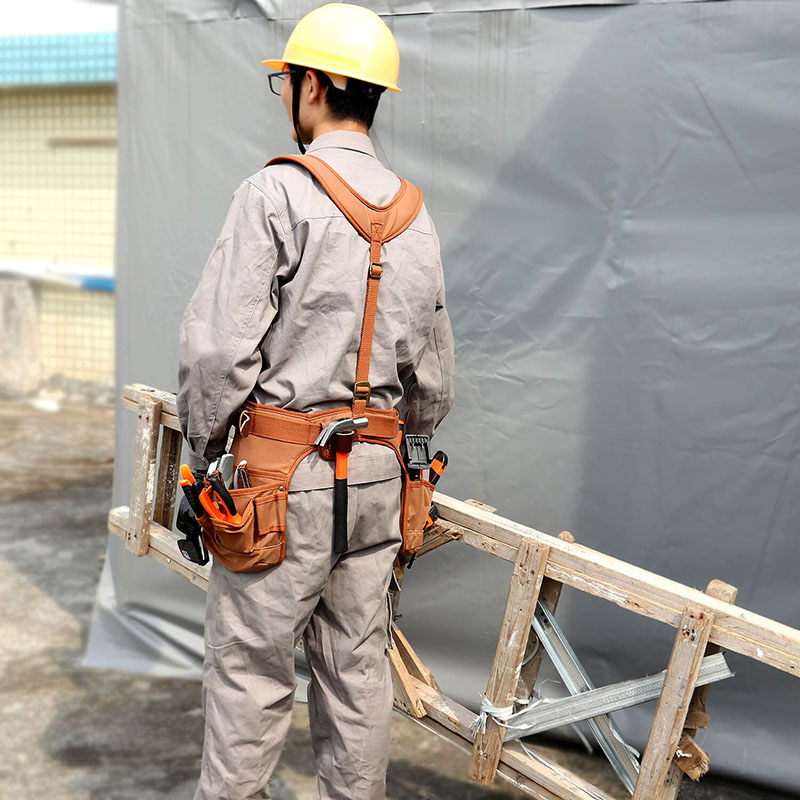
(550, 714)
(343, 425)
(576, 680)
(220, 490)
(241, 478)
(342, 432)
(223, 465)
(195, 493)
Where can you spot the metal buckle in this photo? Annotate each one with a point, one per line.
(362, 391)
(375, 270)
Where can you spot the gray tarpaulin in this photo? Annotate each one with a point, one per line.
(617, 191)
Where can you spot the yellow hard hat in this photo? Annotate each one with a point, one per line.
(343, 39)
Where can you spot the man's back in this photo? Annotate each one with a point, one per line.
(295, 301)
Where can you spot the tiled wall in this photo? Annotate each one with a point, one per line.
(58, 178)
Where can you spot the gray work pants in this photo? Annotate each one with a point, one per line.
(339, 604)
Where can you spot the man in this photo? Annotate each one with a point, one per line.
(276, 320)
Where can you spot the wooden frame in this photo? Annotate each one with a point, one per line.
(542, 564)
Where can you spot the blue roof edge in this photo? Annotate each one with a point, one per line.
(58, 59)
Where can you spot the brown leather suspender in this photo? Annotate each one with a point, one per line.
(376, 224)
(273, 441)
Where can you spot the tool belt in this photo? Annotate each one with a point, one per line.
(274, 441)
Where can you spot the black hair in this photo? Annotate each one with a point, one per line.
(358, 102)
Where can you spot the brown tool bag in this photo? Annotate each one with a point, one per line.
(274, 441)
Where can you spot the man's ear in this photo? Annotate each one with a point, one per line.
(316, 89)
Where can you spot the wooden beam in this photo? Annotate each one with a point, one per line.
(534, 652)
(412, 661)
(168, 474)
(133, 393)
(143, 480)
(557, 780)
(437, 536)
(526, 581)
(696, 716)
(679, 684)
(163, 547)
(628, 586)
(508, 773)
(406, 697)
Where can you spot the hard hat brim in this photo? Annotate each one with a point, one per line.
(278, 64)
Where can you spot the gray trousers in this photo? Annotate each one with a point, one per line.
(339, 604)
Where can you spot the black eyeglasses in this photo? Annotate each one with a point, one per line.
(276, 80)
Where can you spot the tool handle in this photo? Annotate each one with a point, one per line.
(190, 484)
(438, 466)
(433, 516)
(340, 515)
(192, 499)
(224, 495)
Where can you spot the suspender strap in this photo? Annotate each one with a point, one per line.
(376, 224)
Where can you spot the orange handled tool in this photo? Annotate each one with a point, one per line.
(438, 466)
(216, 484)
(192, 490)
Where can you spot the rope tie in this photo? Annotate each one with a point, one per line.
(500, 714)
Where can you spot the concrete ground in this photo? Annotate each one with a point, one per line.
(68, 733)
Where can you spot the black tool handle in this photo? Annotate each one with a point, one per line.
(340, 515)
(194, 502)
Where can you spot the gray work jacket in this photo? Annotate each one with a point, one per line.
(276, 317)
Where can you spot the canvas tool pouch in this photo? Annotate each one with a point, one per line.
(260, 541)
(417, 498)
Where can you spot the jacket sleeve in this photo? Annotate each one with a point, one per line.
(226, 320)
(428, 389)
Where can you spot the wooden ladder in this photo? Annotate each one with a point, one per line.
(705, 622)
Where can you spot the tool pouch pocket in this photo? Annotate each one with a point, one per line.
(260, 541)
(416, 504)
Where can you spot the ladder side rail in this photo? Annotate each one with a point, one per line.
(526, 582)
(697, 716)
(679, 685)
(143, 477)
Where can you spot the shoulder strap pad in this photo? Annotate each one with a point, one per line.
(393, 218)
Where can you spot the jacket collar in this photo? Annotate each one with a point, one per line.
(347, 140)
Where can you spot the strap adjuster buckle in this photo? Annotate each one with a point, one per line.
(362, 391)
(375, 270)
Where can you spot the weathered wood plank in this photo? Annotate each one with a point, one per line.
(412, 661)
(406, 697)
(526, 581)
(168, 473)
(696, 716)
(511, 775)
(534, 652)
(163, 548)
(630, 587)
(132, 394)
(679, 684)
(437, 536)
(143, 479)
(559, 781)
